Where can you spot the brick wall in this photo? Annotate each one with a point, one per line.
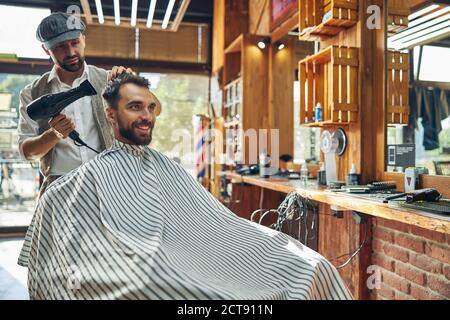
(414, 262)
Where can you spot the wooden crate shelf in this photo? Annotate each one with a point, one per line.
(398, 88)
(322, 124)
(321, 19)
(330, 78)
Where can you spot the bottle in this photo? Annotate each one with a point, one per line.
(318, 113)
(264, 164)
(353, 177)
(304, 173)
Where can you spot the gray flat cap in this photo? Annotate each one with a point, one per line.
(59, 27)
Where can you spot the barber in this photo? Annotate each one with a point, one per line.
(64, 42)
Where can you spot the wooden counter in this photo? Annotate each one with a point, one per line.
(390, 211)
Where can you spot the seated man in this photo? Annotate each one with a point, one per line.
(132, 224)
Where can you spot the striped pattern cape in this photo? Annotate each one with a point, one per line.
(132, 224)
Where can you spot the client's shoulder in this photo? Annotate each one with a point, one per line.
(85, 173)
(158, 156)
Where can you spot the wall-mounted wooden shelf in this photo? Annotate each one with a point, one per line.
(321, 124)
(398, 88)
(330, 78)
(245, 95)
(236, 45)
(321, 19)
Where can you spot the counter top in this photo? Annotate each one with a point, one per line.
(390, 211)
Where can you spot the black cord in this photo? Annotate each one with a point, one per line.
(82, 144)
(354, 253)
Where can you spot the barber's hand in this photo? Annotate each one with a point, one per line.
(117, 70)
(61, 126)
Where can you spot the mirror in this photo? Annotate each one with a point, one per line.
(418, 87)
(306, 140)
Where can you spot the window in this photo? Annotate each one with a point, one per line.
(19, 180)
(434, 65)
(18, 31)
(182, 97)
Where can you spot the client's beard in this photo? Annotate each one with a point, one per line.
(128, 134)
(73, 67)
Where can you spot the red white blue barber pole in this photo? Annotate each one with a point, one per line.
(200, 144)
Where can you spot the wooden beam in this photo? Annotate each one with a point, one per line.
(180, 15)
(87, 11)
(287, 26)
(263, 9)
(142, 24)
(151, 65)
(26, 66)
(40, 66)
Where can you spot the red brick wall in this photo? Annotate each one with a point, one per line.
(414, 262)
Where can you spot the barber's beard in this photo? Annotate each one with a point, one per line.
(72, 67)
(136, 138)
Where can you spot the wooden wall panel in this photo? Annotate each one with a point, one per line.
(259, 17)
(248, 198)
(236, 19)
(281, 88)
(338, 237)
(188, 44)
(105, 41)
(218, 45)
(255, 84)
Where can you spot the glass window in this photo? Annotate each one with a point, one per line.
(434, 65)
(182, 97)
(18, 31)
(433, 160)
(19, 180)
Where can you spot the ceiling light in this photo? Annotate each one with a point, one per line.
(117, 12)
(168, 14)
(422, 12)
(98, 5)
(151, 13)
(280, 45)
(262, 44)
(134, 6)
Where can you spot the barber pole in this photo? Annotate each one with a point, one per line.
(200, 123)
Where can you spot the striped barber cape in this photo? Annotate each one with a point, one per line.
(132, 224)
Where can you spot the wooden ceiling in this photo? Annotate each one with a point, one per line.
(429, 24)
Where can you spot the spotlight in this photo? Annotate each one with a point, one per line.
(280, 45)
(263, 43)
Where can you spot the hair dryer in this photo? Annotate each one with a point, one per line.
(50, 105)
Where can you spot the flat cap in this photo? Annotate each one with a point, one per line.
(59, 27)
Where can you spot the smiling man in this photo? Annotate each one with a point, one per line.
(132, 224)
(132, 109)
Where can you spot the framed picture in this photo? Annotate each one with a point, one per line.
(280, 11)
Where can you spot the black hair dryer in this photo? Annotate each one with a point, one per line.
(50, 105)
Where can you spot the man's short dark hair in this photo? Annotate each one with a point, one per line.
(111, 93)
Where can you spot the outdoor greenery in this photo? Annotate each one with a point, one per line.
(181, 96)
(14, 83)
